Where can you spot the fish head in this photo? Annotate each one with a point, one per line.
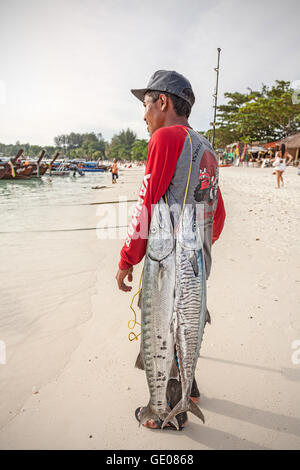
(161, 236)
(187, 233)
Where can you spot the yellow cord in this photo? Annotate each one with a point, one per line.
(132, 336)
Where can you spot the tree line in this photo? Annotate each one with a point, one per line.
(255, 116)
(91, 146)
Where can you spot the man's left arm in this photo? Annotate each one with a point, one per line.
(219, 218)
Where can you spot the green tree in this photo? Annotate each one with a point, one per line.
(76, 145)
(264, 115)
(121, 145)
(140, 150)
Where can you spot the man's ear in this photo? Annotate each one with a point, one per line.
(163, 102)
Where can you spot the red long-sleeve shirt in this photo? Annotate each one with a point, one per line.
(165, 147)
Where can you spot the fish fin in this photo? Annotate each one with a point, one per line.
(207, 317)
(176, 410)
(181, 408)
(139, 363)
(193, 408)
(174, 422)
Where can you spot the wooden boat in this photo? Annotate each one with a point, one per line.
(15, 169)
(40, 168)
(3, 168)
(6, 166)
(52, 162)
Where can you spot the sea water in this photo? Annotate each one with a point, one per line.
(47, 278)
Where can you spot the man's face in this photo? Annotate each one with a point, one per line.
(154, 115)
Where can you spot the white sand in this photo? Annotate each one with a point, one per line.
(77, 355)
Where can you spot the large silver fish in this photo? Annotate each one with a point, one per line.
(157, 306)
(189, 307)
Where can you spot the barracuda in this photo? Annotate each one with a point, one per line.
(189, 307)
(157, 306)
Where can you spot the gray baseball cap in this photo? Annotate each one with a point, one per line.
(166, 81)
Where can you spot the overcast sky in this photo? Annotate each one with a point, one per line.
(68, 65)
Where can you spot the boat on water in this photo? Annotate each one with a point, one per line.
(19, 167)
(59, 169)
(92, 167)
(14, 168)
(3, 168)
(64, 168)
(40, 168)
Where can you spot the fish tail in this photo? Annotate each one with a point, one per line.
(182, 407)
(148, 413)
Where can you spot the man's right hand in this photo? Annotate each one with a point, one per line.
(121, 275)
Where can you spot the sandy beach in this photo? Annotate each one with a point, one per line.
(69, 380)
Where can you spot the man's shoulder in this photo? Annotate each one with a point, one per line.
(203, 140)
(164, 134)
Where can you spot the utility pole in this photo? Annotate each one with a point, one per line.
(216, 97)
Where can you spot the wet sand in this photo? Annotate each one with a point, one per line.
(69, 380)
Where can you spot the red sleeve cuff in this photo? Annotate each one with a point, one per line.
(123, 265)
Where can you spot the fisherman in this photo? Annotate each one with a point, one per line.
(168, 99)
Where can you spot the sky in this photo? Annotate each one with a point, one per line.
(68, 65)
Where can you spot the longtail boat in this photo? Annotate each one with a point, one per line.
(7, 166)
(40, 168)
(16, 169)
(52, 161)
(3, 168)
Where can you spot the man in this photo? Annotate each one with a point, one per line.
(168, 99)
(114, 171)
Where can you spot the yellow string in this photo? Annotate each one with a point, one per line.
(132, 336)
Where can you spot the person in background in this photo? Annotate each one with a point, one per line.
(114, 171)
(280, 163)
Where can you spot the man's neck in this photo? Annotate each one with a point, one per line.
(176, 121)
